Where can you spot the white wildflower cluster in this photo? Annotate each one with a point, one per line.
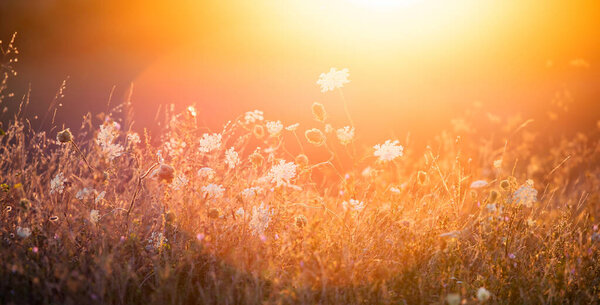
(175, 147)
(210, 142)
(240, 212)
(345, 135)
(180, 181)
(250, 193)
(388, 151)
(281, 174)
(232, 158)
(84, 193)
(274, 128)
(333, 79)
(106, 136)
(261, 216)
(292, 127)
(253, 116)
(57, 184)
(133, 138)
(23, 232)
(156, 241)
(353, 205)
(206, 172)
(94, 216)
(526, 194)
(213, 191)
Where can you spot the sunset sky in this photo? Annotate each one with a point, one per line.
(414, 64)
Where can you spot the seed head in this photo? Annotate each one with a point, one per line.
(315, 137)
(319, 112)
(64, 136)
(166, 173)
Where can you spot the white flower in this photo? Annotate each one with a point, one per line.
(453, 299)
(292, 127)
(210, 142)
(57, 184)
(94, 216)
(498, 163)
(206, 172)
(180, 181)
(483, 294)
(156, 240)
(282, 173)
(261, 217)
(274, 128)
(100, 196)
(240, 212)
(253, 116)
(213, 191)
(526, 194)
(231, 158)
(479, 184)
(353, 205)
(23, 232)
(333, 79)
(388, 151)
(251, 193)
(328, 128)
(107, 134)
(133, 138)
(84, 193)
(345, 135)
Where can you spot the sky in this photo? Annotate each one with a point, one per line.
(414, 64)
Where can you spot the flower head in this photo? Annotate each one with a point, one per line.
(345, 135)
(281, 174)
(261, 216)
(353, 205)
(333, 79)
(274, 128)
(213, 191)
(57, 184)
(388, 151)
(23, 232)
(315, 136)
(94, 216)
(232, 158)
(483, 294)
(526, 194)
(64, 136)
(253, 116)
(210, 142)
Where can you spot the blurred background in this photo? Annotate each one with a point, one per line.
(414, 64)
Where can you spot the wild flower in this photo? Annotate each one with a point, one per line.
(100, 197)
(526, 195)
(292, 127)
(281, 174)
(213, 191)
(156, 241)
(315, 136)
(94, 216)
(345, 135)
(353, 205)
(64, 136)
(498, 163)
(256, 159)
(333, 79)
(23, 232)
(253, 116)
(250, 193)
(240, 212)
(328, 128)
(107, 134)
(165, 172)
(301, 160)
(133, 138)
(453, 299)
(483, 294)
(84, 193)
(479, 184)
(180, 181)
(274, 128)
(210, 142)
(388, 151)
(232, 158)
(261, 216)
(57, 184)
(206, 172)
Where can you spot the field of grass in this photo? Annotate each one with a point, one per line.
(100, 214)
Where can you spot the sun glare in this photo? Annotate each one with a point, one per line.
(384, 4)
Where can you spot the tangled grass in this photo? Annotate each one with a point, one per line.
(102, 215)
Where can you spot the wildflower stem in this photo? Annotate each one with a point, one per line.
(82, 156)
(137, 188)
(346, 107)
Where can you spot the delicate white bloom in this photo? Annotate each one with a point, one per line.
(100, 196)
(526, 194)
(107, 134)
(498, 163)
(94, 216)
(345, 135)
(353, 205)
(261, 216)
(232, 158)
(328, 128)
(57, 184)
(292, 127)
(333, 79)
(84, 193)
(156, 241)
(206, 172)
(213, 191)
(388, 151)
(240, 213)
(253, 116)
(453, 299)
(282, 173)
(274, 128)
(479, 184)
(180, 181)
(23, 232)
(210, 142)
(251, 193)
(133, 138)
(483, 294)
(175, 146)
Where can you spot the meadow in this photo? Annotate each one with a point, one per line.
(103, 214)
